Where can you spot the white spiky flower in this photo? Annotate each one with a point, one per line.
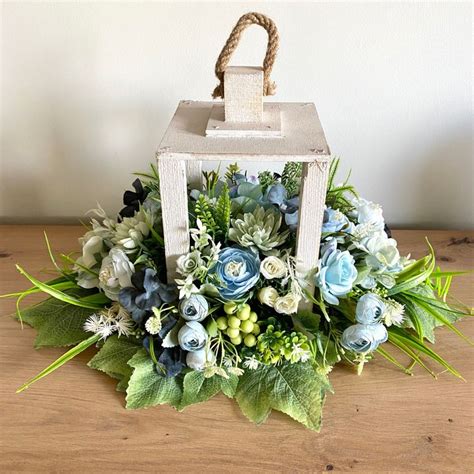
(251, 363)
(97, 324)
(114, 319)
(394, 312)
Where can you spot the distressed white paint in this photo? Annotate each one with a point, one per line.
(243, 94)
(269, 127)
(302, 136)
(174, 208)
(310, 219)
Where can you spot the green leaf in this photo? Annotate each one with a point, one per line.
(55, 293)
(415, 274)
(70, 354)
(58, 323)
(113, 358)
(197, 388)
(295, 389)
(146, 388)
(307, 322)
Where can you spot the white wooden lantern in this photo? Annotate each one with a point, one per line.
(241, 129)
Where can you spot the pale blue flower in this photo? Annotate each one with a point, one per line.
(337, 273)
(192, 336)
(194, 308)
(370, 309)
(198, 360)
(238, 271)
(334, 221)
(364, 337)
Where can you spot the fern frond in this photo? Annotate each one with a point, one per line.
(222, 212)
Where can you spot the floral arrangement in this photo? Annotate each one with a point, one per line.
(231, 322)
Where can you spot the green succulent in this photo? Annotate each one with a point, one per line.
(259, 228)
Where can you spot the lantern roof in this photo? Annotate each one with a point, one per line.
(298, 135)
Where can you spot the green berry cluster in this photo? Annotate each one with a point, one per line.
(275, 346)
(239, 324)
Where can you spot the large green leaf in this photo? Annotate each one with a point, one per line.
(113, 359)
(58, 323)
(146, 388)
(295, 389)
(197, 388)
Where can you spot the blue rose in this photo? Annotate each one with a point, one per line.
(364, 337)
(369, 309)
(337, 273)
(334, 221)
(192, 336)
(194, 308)
(238, 271)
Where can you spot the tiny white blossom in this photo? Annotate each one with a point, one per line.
(394, 312)
(235, 371)
(251, 363)
(153, 325)
(299, 354)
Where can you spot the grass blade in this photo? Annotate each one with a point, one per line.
(82, 346)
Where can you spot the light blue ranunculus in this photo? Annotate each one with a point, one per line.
(364, 337)
(370, 309)
(337, 273)
(238, 271)
(192, 336)
(334, 221)
(194, 308)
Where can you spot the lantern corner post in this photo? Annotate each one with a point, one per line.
(174, 202)
(312, 203)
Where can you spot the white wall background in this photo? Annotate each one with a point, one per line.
(88, 90)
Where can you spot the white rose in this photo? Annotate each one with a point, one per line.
(115, 273)
(369, 213)
(383, 253)
(268, 296)
(189, 263)
(92, 246)
(273, 267)
(287, 304)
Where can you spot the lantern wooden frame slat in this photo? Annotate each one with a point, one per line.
(185, 146)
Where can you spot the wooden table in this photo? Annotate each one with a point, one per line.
(74, 420)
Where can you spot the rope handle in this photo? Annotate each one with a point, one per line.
(232, 42)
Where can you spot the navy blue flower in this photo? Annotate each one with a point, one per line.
(147, 292)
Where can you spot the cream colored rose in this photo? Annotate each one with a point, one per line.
(273, 267)
(287, 304)
(268, 296)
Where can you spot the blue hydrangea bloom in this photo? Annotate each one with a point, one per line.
(238, 271)
(147, 291)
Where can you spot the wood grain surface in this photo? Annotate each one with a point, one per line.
(382, 421)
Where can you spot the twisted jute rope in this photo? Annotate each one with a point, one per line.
(232, 42)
